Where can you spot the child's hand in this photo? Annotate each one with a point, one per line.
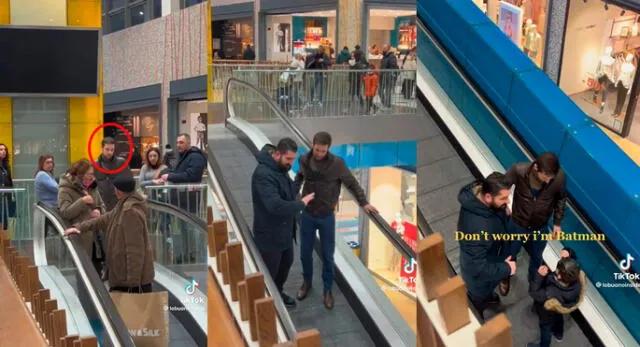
(543, 270)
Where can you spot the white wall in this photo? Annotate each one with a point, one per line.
(39, 12)
(382, 23)
(588, 30)
(271, 29)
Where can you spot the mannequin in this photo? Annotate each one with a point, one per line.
(605, 76)
(399, 224)
(532, 42)
(527, 27)
(623, 83)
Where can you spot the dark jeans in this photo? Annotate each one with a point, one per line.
(279, 263)
(326, 226)
(481, 303)
(145, 288)
(556, 328)
(534, 248)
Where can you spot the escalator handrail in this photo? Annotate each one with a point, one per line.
(571, 204)
(114, 325)
(178, 212)
(233, 210)
(377, 219)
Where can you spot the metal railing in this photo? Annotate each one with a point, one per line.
(191, 198)
(333, 93)
(222, 70)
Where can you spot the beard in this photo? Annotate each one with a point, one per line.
(284, 167)
(498, 207)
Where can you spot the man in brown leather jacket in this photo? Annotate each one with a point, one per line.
(539, 194)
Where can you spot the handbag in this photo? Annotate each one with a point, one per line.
(146, 317)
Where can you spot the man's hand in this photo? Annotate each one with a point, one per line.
(557, 231)
(543, 270)
(508, 210)
(71, 231)
(158, 181)
(308, 198)
(95, 213)
(87, 199)
(164, 177)
(512, 265)
(369, 208)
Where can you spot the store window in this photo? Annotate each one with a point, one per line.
(40, 127)
(231, 37)
(193, 121)
(396, 28)
(121, 14)
(523, 21)
(301, 33)
(187, 3)
(599, 63)
(144, 127)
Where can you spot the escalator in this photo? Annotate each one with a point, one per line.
(362, 315)
(173, 232)
(454, 152)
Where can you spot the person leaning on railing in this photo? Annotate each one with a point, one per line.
(152, 168)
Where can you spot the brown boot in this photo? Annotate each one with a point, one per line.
(505, 285)
(328, 300)
(304, 290)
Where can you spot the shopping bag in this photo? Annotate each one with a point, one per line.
(146, 316)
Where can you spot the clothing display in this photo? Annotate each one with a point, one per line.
(622, 96)
(627, 71)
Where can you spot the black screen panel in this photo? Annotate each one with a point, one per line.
(48, 61)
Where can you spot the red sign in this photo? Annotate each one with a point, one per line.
(408, 268)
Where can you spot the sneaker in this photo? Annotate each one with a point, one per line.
(558, 338)
(288, 300)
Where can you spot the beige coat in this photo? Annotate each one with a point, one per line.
(129, 251)
(73, 210)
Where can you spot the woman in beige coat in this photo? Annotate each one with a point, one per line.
(79, 200)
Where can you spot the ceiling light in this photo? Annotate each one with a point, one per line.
(141, 13)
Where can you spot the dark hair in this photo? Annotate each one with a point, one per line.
(357, 47)
(41, 161)
(345, 48)
(548, 163)
(569, 270)
(357, 56)
(146, 157)
(108, 141)
(493, 184)
(185, 135)
(322, 138)
(79, 168)
(5, 160)
(286, 145)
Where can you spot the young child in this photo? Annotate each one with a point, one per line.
(556, 294)
(370, 81)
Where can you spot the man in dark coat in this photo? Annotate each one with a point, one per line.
(275, 210)
(108, 161)
(248, 53)
(484, 259)
(388, 78)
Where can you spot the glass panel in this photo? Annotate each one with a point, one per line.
(40, 126)
(116, 4)
(339, 92)
(378, 255)
(116, 21)
(157, 8)
(60, 262)
(138, 14)
(190, 198)
(15, 219)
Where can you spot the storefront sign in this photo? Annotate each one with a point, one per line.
(511, 21)
(408, 267)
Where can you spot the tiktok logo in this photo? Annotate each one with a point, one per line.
(190, 288)
(410, 266)
(625, 264)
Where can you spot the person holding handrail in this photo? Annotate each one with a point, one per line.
(79, 200)
(323, 174)
(276, 209)
(7, 200)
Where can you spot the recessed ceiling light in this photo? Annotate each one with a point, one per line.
(141, 13)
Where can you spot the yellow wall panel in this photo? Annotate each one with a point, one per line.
(85, 114)
(39, 12)
(210, 96)
(84, 13)
(6, 128)
(5, 12)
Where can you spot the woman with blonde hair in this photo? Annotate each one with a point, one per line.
(78, 201)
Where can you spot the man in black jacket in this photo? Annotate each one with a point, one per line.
(484, 259)
(191, 163)
(318, 62)
(108, 161)
(388, 78)
(539, 193)
(275, 210)
(323, 174)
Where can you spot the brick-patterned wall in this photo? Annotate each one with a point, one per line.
(166, 49)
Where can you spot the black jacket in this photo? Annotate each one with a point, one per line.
(389, 62)
(249, 54)
(314, 63)
(275, 208)
(189, 168)
(482, 262)
(544, 288)
(327, 184)
(534, 212)
(105, 181)
(5, 176)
